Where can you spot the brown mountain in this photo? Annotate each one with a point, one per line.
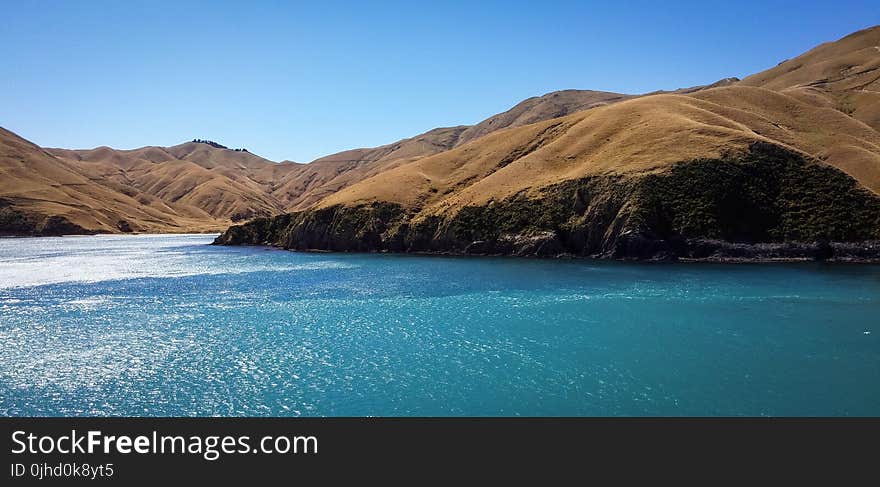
(842, 75)
(323, 177)
(788, 155)
(197, 177)
(327, 175)
(42, 194)
(536, 109)
(202, 186)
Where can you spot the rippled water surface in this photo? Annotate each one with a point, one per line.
(167, 325)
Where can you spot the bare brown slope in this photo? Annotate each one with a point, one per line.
(822, 105)
(717, 175)
(650, 132)
(325, 176)
(203, 181)
(195, 179)
(328, 175)
(186, 183)
(766, 160)
(638, 135)
(558, 104)
(844, 75)
(42, 194)
(538, 108)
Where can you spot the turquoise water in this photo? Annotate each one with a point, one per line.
(167, 325)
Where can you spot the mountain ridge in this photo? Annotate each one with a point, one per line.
(201, 186)
(621, 163)
(820, 109)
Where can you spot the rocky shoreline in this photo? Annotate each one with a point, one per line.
(708, 251)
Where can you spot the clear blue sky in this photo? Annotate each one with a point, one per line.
(297, 81)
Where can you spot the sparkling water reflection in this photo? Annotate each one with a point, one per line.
(167, 325)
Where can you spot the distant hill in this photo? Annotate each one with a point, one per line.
(45, 195)
(226, 185)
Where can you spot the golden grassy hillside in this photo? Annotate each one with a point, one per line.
(536, 109)
(197, 178)
(633, 136)
(822, 106)
(40, 193)
(197, 186)
(656, 131)
(792, 153)
(844, 75)
(327, 175)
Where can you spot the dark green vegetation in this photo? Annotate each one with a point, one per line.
(211, 143)
(16, 223)
(770, 203)
(217, 145)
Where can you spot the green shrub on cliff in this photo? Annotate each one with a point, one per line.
(769, 194)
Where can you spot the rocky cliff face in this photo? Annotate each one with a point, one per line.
(770, 203)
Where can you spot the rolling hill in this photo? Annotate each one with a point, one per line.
(226, 185)
(783, 163)
(202, 186)
(42, 194)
